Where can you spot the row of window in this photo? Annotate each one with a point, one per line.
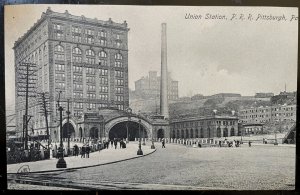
(87, 39)
(91, 79)
(79, 112)
(267, 110)
(76, 29)
(266, 116)
(201, 123)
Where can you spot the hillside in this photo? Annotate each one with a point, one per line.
(202, 107)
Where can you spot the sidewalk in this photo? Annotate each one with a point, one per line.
(105, 156)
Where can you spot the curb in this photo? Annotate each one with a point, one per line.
(74, 168)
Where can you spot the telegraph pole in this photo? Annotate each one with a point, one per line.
(45, 112)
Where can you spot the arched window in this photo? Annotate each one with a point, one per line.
(201, 133)
(59, 48)
(232, 132)
(196, 134)
(102, 54)
(187, 133)
(225, 132)
(77, 51)
(89, 52)
(218, 132)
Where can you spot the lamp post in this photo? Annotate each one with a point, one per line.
(68, 127)
(61, 163)
(152, 145)
(140, 152)
(129, 111)
(144, 137)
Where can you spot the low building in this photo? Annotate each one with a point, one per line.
(264, 95)
(205, 127)
(253, 129)
(198, 97)
(223, 95)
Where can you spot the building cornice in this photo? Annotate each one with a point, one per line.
(66, 16)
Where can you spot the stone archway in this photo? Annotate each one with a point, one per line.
(127, 129)
(80, 132)
(232, 132)
(94, 133)
(219, 132)
(160, 133)
(133, 120)
(225, 132)
(68, 131)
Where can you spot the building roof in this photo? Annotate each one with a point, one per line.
(204, 118)
(67, 15)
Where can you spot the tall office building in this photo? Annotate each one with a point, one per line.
(77, 58)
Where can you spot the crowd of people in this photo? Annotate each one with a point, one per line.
(86, 149)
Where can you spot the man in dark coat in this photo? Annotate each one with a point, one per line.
(115, 143)
(76, 150)
(88, 149)
(83, 152)
(112, 142)
(163, 143)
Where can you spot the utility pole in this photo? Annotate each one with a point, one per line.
(26, 86)
(45, 105)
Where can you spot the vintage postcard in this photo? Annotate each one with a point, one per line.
(150, 97)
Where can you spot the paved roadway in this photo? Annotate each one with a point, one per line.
(181, 167)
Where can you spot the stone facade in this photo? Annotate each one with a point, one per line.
(84, 60)
(205, 127)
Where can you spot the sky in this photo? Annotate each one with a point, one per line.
(206, 56)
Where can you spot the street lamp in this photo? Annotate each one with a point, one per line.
(140, 152)
(68, 127)
(129, 111)
(144, 137)
(61, 163)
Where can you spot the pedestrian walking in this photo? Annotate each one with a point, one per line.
(83, 151)
(112, 142)
(115, 143)
(88, 149)
(121, 142)
(76, 150)
(249, 144)
(163, 143)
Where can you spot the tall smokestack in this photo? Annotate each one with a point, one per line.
(164, 106)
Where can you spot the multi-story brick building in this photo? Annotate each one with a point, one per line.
(150, 86)
(268, 114)
(84, 60)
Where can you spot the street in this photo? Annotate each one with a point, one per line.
(255, 168)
